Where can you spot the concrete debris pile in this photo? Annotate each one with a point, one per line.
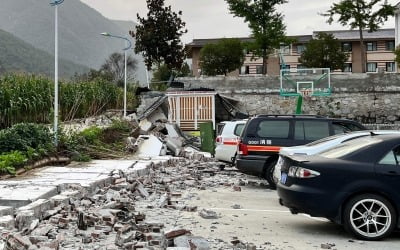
(159, 138)
(134, 212)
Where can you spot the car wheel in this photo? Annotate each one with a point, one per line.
(369, 217)
(269, 174)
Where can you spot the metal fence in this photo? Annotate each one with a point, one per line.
(377, 126)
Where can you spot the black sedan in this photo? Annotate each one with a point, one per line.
(356, 184)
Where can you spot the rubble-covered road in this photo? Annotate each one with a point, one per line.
(178, 203)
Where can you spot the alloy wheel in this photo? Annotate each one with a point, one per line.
(370, 218)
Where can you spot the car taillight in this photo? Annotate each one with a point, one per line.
(299, 172)
(242, 148)
(218, 139)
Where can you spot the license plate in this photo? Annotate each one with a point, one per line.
(283, 178)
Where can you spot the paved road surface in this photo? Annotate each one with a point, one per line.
(262, 221)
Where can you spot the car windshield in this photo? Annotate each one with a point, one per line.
(349, 147)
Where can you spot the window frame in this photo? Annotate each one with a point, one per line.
(306, 130)
(370, 63)
(371, 46)
(280, 128)
(301, 50)
(390, 45)
(350, 46)
(393, 65)
(348, 66)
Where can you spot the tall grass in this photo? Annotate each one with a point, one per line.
(28, 98)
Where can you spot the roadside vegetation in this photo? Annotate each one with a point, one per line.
(24, 143)
(29, 98)
(26, 114)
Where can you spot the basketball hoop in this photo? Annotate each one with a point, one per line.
(306, 93)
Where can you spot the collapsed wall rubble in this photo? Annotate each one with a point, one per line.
(115, 216)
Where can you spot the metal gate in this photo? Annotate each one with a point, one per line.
(190, 109)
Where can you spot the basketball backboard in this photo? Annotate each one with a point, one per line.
(305, 82)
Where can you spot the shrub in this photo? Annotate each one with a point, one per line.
(91, 135)
(26, 136)
(11, 160)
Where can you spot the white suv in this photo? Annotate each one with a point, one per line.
(227, 139)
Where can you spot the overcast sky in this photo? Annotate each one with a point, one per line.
(211, 18)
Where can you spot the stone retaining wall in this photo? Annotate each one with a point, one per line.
(368, 98)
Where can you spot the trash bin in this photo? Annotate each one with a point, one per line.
(207, 137)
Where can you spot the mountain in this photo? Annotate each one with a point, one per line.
(79, 30)
(19, 56)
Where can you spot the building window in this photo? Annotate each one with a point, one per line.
(371, 67)
(347, 46)
(371, 46)
(286, 66)
(259, 69)
(390, 67)
(348, 67)
(390, 45)
(242, 70)
(247, 70)
(284, 49)
(300, 48)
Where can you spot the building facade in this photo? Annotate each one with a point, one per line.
(379, 47)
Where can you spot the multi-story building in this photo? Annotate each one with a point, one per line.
(379, 47)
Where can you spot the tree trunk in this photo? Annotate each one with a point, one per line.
(363, 53)
(264, 62)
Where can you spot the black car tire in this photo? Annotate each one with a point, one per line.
(269, 174)
(369, 217)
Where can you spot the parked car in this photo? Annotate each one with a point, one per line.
(356, 184)
(321, 145)
(264, 135)
(227, 140)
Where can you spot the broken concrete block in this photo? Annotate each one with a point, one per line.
(143, 192)
(24, 219)
(192, 242)
(145, 126)
(208, 214)
(148, 146)
(42, 230)
(17, 242)
(38, 207)
(123, 238)
(175, 145)
(4, 210)
(7, 222)
(37, 239)
(60, 200)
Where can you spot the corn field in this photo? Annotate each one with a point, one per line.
(26, 98)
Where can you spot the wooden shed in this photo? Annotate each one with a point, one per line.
(189, 109)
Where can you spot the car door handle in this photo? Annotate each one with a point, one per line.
(391, 173)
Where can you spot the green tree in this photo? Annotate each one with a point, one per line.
(266, 24)
(112, 70)
(222, 57)
(361, 15)
(158, 36)
(114, 67)
(162, 75)
(324, 52)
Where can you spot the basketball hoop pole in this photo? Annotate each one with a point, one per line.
(299, 105)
